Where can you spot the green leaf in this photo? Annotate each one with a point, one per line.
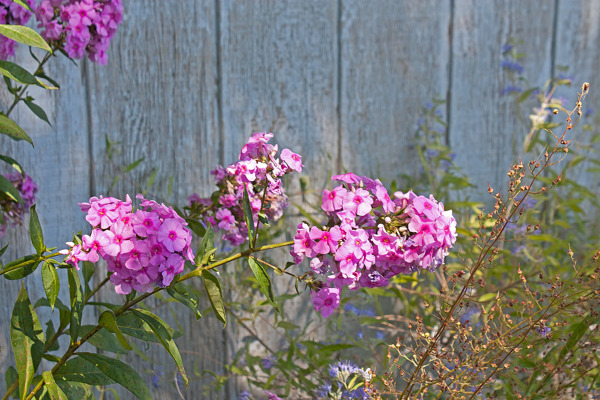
(3, 250)
(103, 339)
(263, 279)
(14, 131)
(51, 282)
(25, 35)
(54, 391)
(249, 217)
(206, 247)
(134, 164)
(23, 4)
(32, 261)
(287, 325)
(196, 227)
(119, 372)
(160, 329)
(35, 231)
(213, 288)
(27, 339)
(132, 326)
(13, 163)
(76, 297)
(46, 77)
(76, 390)
(78, 370)
(108, 321)
(11, 377)
(186, 295)
(38, 111)
(17, 73)
(9, 189)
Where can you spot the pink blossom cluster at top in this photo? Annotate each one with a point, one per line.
(80, 25)
(13, 14)
(11, 209)
(258, 169)
(142, 248)
(370, 237)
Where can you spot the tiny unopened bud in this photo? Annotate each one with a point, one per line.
(585, 87)
(387, 220)
(555, 111)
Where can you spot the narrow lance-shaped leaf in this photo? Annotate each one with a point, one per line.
(215, 295)
(23, 4)
(14, 131)
(78, 370)
(27, 339)
(35, 231)
(54, 391)
(9, 189)
(160, 329)
(25, 35)
(186, 295)
(13, 163)
(76, 296)
(27, 265)
(38, 111)
(206, 248)
(51, 282)
(119, 372)
(263, 279)
(17, 73)
(108, 321)
(249, 218)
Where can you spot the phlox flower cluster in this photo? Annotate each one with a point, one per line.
(80, 26)
(260, 171)
(342, 373)
(12, 14)
(11, 209)
(369, 238)
(142, 248)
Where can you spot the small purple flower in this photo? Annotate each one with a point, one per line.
(512, 66)
(510, 89)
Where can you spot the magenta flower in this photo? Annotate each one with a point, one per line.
(74, 255)
(172, 235)
(171, 267)
(292, 160)
(95, 243)
(333, 200)
(358, 202)
(325, 301)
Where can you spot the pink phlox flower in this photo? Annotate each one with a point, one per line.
(123, 280)
(172, 266)
(102, 215)
(85, 13)
(226, 219)
(328, 240)
(427, 207)
(303, 244)
(158, 252)
(228, 200)
(94, 244)
(349, 178)
(347, 261)
(292, 160)
(325, 301)
(244, 170)
(373, 279)
(139, 256)
(318, 265)
(257, 146)
(333, 200)
(274, 187)
(382, 195)
(120, 243)
(75, 47)
(74, 254)
(425, 231)
(384, 242)
(44, 12)
(446, 225)
(173, 235)
(145, 223)
(219, 173)
(358, 202)
(357, 241)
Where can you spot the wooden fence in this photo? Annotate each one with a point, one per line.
(342, 82)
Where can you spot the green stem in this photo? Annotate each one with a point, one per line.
(133, 302)
(42, 258)
(39, 69)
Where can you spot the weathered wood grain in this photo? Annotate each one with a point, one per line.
(577, 36)
(59, 165)
(485, 132)
(394, 59)
(279, 64)
(157, 97)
